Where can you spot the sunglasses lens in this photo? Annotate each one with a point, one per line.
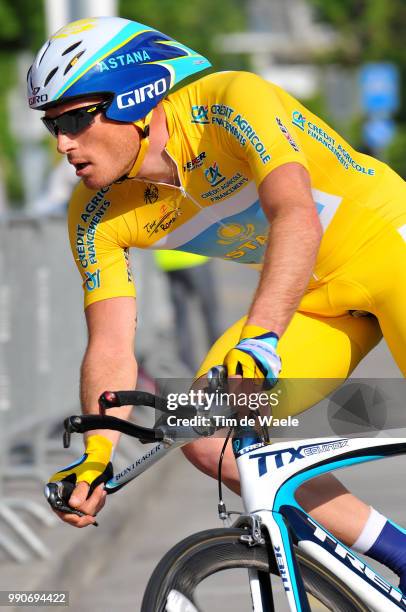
(50, 124)
(71, 122)
(74, 122)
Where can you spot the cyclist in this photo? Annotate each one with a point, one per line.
(234, 167)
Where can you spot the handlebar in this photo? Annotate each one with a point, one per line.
(58, 493)
(115, 399)
(80, 424)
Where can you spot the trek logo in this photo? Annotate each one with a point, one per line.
(138, 96)
(289, 455)
(36, 99)
(282, 568)
(213, 175)
(200, 114)
(299, 120)
(352, 561)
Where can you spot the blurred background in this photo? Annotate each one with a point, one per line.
(345, 60)
(320, 51)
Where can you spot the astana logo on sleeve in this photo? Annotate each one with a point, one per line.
(213, 175)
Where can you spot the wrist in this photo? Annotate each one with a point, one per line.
(266, 323)
(255, 331)
(99, 444)
(108, 434)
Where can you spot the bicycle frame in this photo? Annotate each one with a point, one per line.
(140, 465)
(270, 475)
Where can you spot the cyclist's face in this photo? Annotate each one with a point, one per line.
(102, 152)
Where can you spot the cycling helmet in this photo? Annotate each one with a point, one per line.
(134, 64)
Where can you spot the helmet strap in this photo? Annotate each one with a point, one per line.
(143, 125)
(144, 146)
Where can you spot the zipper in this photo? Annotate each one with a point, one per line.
(181, 187)
(186, 194)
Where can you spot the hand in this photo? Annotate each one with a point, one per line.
(255, 356)
(88, 474)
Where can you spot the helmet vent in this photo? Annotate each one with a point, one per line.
(43, 55)
(50, 75)
(73, 61)
(72, 48)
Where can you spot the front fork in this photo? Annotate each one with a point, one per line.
(286, 560)
(269, 528)
(284, 555)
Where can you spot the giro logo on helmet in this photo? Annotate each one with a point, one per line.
(34, 100)
(137, 96)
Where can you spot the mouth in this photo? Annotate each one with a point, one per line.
(81, 167)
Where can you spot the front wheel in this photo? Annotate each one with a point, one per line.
(175, 580)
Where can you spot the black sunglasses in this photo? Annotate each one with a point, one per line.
(75, 120)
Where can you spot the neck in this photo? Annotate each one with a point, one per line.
(158, 165)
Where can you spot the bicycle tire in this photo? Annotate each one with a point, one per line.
(203, 554)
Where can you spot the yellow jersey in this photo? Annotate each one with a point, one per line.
(227, 132)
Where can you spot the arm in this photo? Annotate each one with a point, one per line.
(284, 189)
(109, 362)
(293, 243)
(281, 174)
(99, 240)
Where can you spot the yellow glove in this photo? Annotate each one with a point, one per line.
(94, 467)
(255, 356)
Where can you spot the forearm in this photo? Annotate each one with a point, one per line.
(106, 371)
(290, 256)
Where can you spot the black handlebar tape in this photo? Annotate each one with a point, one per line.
(88, 422)
(114, 399)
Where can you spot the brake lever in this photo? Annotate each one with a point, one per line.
(217, 378)
(57, 495)
(71, 425)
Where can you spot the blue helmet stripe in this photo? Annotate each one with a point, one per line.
(182, 67)
(126, 34)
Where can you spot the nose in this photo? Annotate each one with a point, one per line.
(65, 143)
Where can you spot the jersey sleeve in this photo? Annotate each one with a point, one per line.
(101, 258)
(258, 123)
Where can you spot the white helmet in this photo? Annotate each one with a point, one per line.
(132, 63)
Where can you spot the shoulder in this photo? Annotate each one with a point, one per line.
(86, 201)
(106, 202)
(219, 92)
(218, 83)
